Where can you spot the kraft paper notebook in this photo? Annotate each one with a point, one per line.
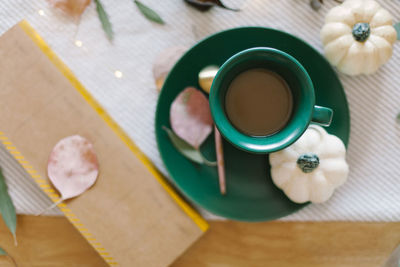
(131, 216)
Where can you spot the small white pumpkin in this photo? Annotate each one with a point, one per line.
(311, 168)
(358, 36)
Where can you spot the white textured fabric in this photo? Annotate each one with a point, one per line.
(372, 192)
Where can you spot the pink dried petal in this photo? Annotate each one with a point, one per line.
(190, 116)
(73, 8)
(164, 63)
(73, 166)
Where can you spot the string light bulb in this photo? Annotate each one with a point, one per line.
(78, 43)
(118, 74)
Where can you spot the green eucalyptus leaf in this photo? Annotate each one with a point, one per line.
(7, 208)
(397, 27)
(187, 150)
(149, 13)
(398, 117)
(3, 252)
(105, 21)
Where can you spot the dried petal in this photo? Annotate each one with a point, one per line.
(204, 5)
(190, 116)
(73, 8)
(164, 63)
(316, 4)
(73, 166)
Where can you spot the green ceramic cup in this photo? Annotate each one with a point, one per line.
(304, 109)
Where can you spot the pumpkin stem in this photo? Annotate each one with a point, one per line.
(361, 31)
(308, 162)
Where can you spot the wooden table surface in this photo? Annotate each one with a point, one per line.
(52, 241)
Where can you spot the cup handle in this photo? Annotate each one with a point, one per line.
(322, 116)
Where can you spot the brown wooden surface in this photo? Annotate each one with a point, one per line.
(49, 241)
(45, 242)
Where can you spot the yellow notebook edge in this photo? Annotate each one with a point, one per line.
(44, 47)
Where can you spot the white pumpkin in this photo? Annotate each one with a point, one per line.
(311, 168)
(358, 36)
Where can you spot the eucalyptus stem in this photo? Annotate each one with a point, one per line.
(5, 253)
(206, 161)
(13, 260)
(51, 207)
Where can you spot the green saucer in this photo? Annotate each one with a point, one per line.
(251, 194)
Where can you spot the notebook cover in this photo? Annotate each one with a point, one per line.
(131, 216)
